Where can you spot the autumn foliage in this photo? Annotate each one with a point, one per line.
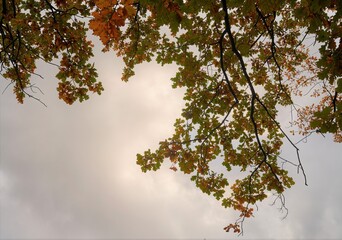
(239, 62)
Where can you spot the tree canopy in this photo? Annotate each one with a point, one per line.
(239, 61)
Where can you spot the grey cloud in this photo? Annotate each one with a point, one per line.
(70, 172)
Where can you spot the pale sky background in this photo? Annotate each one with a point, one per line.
(69, 172)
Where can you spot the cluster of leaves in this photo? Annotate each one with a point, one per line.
(239, 60)
(323, 20)
(47, 30)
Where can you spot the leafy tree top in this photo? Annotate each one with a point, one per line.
(239, 60)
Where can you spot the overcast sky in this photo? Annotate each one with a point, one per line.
(69, 172)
